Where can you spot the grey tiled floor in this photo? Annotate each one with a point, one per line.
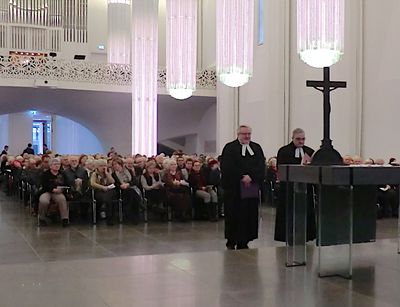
(174, 264)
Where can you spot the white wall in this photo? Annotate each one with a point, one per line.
(262, 99)
(381, 93)
(19, 132)
(4, 130)
(207, 129)
(73, 138)
(276, 100)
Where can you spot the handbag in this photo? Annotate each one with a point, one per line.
(250, 191)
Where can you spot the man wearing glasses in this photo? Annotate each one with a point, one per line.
(242, 167)
(294, 153)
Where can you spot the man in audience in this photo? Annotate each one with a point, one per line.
(180, 161)
(64, 163)
(242, 167)
(5, 151)
(140, 165)
(294, 153)
(76, 177)
(187, 169)
(29, 150)
(52, 187)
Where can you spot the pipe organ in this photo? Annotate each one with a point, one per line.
(42, 25)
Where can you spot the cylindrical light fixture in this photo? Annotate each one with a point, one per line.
(181, 47)
(235, 40)
(144, 76)
(119, 32)
(320, 31)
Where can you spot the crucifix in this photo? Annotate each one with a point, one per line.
(327, 155)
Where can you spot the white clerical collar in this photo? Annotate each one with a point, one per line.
(246, 147)
(299, 152)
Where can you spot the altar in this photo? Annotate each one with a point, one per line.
(345, 200)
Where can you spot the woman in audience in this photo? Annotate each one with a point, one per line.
(52, 188)
(203, 191)
(154, 188)
(82, 160)
(102, 183)
(131, 195)
(177, 189)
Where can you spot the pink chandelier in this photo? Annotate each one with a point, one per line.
(181, 47)
(119, 32)
(320, 31)
(144, 76)
(235, 39)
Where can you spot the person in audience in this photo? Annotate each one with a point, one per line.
(177, 190)
(357, 160)
(90, 167)
(45, 149)
(29, 150)
(53, 188)
(131, 195)
(140, 164)
(394, 162)
(159, 162)
(82, 160)
(347, 160)
(296, 152)
(243, 171)
(104, 189)
(213, 177)
(64, 163)
(203, 191)
(5, 150)
(379, 162)
(180, 160)
(272, 180)
(369, 161)
(187, 169)
(76, 177)
(111, 153)
(154, 188)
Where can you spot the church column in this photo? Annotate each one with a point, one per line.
(144, 76)
(227, 114)
(119, 32)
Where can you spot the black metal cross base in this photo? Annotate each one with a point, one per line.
(327, 155)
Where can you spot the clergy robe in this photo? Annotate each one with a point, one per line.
(286, 155)
(241, 215)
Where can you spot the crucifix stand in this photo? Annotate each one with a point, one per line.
(327, 155)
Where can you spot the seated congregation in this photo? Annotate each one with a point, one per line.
(126, 189)
(91, 188)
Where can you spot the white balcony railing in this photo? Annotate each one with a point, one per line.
(32, 68)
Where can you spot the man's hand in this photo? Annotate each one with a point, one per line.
(246, 179)
(57, 191)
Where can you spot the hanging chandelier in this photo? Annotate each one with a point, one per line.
(320, 31)
(235, 39)
(181, 47)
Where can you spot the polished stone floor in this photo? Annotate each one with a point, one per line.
(178, 264)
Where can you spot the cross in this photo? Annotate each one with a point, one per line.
(326, 87)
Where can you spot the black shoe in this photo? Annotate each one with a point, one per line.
(230, 245)
(242, 246)
(42, 223)
(65, 223)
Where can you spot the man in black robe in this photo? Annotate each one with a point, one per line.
(294, 153)
(242, 167)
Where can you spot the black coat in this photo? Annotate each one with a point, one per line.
(286, 155)
(241, 216)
